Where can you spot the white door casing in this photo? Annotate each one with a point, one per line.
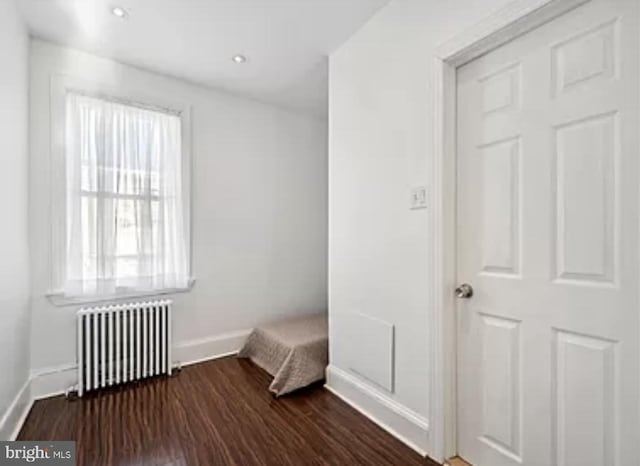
(547, 234)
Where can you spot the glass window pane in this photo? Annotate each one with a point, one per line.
(135, 227)
(127, 267)
(122, 154)
(89, 239)
(126, 228)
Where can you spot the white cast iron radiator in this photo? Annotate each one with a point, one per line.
(122, 343)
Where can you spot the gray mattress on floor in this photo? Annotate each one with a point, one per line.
(295, 351)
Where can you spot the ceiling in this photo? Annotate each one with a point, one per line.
(286, 42)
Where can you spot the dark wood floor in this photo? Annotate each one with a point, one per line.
(215, 413)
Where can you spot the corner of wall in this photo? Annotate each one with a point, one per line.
(17, 413)
(14, 143)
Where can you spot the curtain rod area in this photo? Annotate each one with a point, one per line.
(127, 102)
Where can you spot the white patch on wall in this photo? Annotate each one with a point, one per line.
(371, 352)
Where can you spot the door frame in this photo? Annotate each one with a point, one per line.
(515, 19)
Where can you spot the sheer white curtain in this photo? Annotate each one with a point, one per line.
(125, 219)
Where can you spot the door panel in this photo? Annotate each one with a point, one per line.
(548, 175)
(583, 420)
(501, 391)
(584, 178)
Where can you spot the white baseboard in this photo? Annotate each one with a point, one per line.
(16, 414)
(206, 349)
(53, 381)
(401, 422)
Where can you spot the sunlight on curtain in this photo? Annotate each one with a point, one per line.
(125, 219)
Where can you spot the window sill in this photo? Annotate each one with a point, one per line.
(60, 299)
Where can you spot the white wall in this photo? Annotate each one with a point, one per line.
(379, 147)
(259, 209)
(14, 255)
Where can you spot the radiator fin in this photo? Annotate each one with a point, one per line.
(121, 343)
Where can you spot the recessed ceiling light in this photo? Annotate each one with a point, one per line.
(119, 12)
(239, 58)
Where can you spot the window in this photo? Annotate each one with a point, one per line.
(125, 220)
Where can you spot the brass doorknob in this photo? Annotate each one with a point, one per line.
(464, 291)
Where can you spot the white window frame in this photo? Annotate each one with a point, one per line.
(60, 86)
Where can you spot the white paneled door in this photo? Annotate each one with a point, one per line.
(548, 233)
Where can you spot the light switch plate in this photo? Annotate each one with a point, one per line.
(418, 197)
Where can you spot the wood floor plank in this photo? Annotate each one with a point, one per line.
(217, 413)
(457, 461)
